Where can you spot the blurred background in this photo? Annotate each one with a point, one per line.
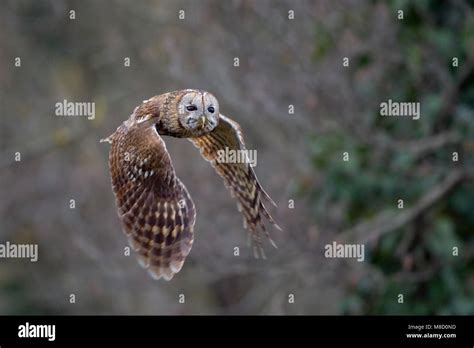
(283, 62)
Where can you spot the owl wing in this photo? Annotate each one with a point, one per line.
(156, 210)
(239, 178)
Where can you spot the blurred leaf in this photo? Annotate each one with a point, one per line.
(323, 42)
(442, 239)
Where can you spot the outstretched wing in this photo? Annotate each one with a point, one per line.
(156, 210)
(238, 176)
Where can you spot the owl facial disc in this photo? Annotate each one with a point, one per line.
(198, 112)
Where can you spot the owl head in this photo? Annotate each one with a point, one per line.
(181, 114)
(198, 111)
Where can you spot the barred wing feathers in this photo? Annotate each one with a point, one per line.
(239, 178)
(155, 208)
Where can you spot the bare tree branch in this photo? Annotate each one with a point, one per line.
(419, 148)
(388, 221)
(451, 93)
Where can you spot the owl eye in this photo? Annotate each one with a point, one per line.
(210, 109)
(191, 108)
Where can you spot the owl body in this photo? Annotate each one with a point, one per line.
(155, 208)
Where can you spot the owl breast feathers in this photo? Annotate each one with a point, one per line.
(154, 206)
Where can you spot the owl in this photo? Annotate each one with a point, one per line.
(156, 210)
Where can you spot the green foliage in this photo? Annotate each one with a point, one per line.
(323, 43)
(431, 278)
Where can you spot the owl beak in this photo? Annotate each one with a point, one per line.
(202, 121)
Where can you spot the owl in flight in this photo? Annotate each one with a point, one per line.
(154, 206)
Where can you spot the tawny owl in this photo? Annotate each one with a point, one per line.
(154, 206)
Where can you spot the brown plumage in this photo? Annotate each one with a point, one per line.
(155, 208)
